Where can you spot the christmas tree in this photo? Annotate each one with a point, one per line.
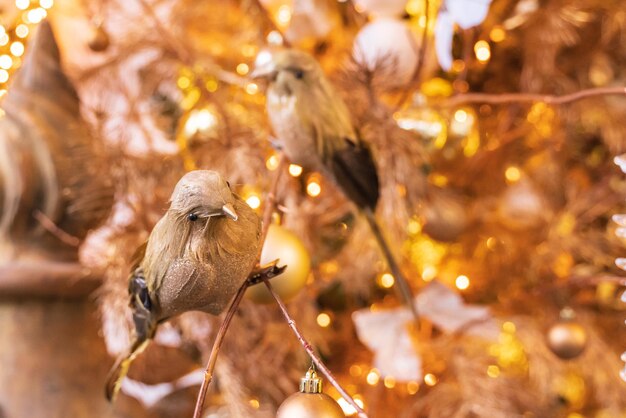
(495, 130)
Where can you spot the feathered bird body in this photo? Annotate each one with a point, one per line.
(197, 256)
(314, 129)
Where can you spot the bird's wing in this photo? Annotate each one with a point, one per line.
(355, 172)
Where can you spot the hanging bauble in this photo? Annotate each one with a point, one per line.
(388, 47)
(285, 246)
(310, 402)
(522, 206)
(567, 338)
(381, 8)
(445, 216)
(99, 39)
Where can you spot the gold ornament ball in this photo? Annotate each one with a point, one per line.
(284, 245)
(567, 339)
(99, 40)
(309, 405)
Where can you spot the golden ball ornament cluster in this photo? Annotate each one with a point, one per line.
(310, 401)
(287, 247)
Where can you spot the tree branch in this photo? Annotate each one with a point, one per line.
(504, 98)
(309, 349)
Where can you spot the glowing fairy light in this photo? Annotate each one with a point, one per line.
(284, 15)
(512, 174)
(497, 34)
(242, 69)
(253, 201)
(252, 88)
(482, 51)
(386, 280)
(313, 188)
(372, 377)
(22, 4)
(6, 62)
(430, 379)
(295, 170)
(272, 163)
(274, 38)
(323, 320)
(462, 282)
(493, 371)
(17, 48)
(4, 76)
(46, 4)
(21, 30)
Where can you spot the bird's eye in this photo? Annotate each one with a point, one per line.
(299, 74)
(192, 217)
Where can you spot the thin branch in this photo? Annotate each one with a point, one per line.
(53, 228)
(309, 349)
(504, 98)
(421, 57)
(219, 339)
(270, 202)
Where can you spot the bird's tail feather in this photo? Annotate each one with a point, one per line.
(120, 368)
(401, 285)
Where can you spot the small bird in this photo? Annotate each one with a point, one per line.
(314, 129)
(195, 259)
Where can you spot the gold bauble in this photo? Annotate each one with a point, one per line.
(310, 402)
(99, 40)
(567, 339)
(309, 405)
(285, 246)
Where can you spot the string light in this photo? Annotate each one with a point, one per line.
(512, 174)
(253, 201)
(254, 403)
(482, 51)
(429, 273)
(460, 116)
(5, 62)
(386, 280)
(313, 188)
(493, 371)
(389, 382)
(412, 387)
(4, 39)
(295, 170)
(21, 30)
(323, 320)
(430, 379)
(252, 88)
(22, 4)
(372, 377)
(274, 38)
(272, 163)
(462, 282)
(4, 76)
(17, 48)
(242, 69)
(284, 15)
(46, 4)
(497, 34)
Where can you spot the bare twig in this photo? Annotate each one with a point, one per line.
(309, 349)
(270, 202)
(51, 227)
(421, 56)
(504, 98)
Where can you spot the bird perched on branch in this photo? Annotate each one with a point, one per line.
(314, 129)
(197, 256)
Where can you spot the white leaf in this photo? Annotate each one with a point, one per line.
(468, 13)
(444, 32)
(386, 334)
(447, 310)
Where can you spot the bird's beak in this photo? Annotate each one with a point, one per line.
(229, 211)
(266, 70)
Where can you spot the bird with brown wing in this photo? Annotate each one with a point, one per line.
(314, 129)
(195, 259)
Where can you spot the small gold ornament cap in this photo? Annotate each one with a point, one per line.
(310, 383)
